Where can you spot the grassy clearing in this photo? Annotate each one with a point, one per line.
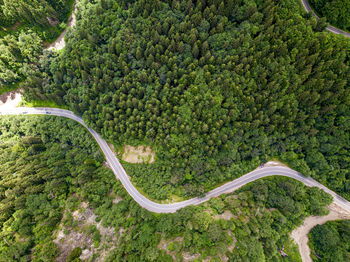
(41, 103)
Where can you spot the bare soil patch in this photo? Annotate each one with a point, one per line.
(10, 100)
(227, 215)
(300, 234)
(138, 154)
(187, 256)
(274, 163)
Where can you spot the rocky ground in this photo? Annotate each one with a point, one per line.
(85, 232)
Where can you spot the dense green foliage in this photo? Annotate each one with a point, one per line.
(42, 161)
(74, 255)
(15, 53)
(216, 87)
(331, 242)
(48, 165)
(337, 12)
(21, 44)
(42, 12)
(264, 213)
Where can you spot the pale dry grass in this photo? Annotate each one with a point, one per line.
(138, 154)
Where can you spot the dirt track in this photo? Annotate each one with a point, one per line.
(59, 42)
(300, 234)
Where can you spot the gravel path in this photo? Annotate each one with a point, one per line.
(59, 42)
(300, 234)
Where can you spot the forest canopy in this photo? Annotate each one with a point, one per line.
(331, 241)
(217, 87)
(337, 12)
(25, 26)
(49, 166)
(41, 160)
(42, 12)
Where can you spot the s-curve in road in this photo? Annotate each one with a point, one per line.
(329, 28)
(170, 208)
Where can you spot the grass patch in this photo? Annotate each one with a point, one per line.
(175, 198)
(145, 194)
(292, 251)
(42, 103)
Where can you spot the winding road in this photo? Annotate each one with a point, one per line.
(329, 28)
(120, 173)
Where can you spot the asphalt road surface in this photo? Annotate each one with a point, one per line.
(329, 28)
(170, 208)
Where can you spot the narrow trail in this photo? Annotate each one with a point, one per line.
(59, 42)
(299, 235)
